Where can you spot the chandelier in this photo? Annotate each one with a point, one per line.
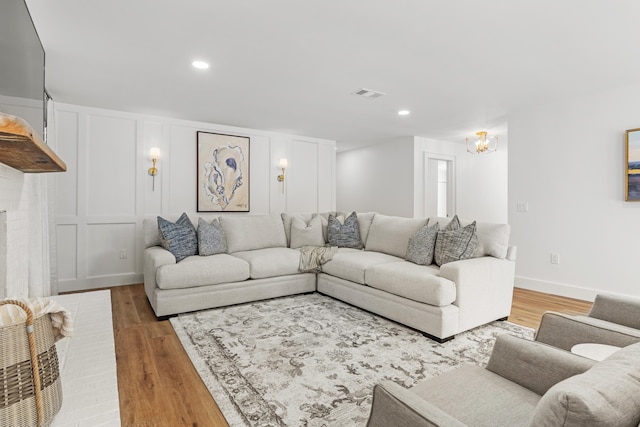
(482, 143)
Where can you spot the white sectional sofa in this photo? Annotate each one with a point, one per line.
(438, 301)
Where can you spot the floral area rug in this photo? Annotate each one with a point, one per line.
(310, 360)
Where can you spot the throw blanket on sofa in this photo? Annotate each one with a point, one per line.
(313, 257)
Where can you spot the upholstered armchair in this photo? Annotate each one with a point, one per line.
(525, 383)
(612, 321)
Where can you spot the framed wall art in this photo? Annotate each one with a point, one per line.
(632, 177)
(223, 172)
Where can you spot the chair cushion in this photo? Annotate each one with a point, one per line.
(246, 233)
(179, 238)
(271, 262)
(211, 239)
(422, 244)
(608, 394)
(420, 283)
(201, 271)
(344, 235)
(391, 234)
(350, 264)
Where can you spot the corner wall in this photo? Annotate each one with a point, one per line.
(106, 193)
(567, 161)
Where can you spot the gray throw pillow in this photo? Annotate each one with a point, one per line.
(454, 224)
(179, 238)
(455, 245)
(345, 235)
(303, 234)
(211, 238)
(422, 244)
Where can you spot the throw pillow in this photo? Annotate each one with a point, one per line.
(455, 245)
(454, 224)
(179, 238)
(344, 235)
(422, 244)
(211, 238)
(306, 234)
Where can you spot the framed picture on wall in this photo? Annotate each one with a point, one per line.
(632, 177)
(223, 172)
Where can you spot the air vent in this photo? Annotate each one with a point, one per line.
(368, 93)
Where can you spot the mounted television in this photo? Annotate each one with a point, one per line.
(22, 61)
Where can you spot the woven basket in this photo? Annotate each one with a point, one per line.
(27, 399)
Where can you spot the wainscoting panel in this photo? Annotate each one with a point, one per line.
(67, 130)
(67, 238)
(111, 249)
(302, 177)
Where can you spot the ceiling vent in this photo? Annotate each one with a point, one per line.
(368, 93)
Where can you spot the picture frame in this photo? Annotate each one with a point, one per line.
(223, 165)
(632, 166)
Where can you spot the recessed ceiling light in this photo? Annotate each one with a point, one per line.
(404, 112)
(200, 65)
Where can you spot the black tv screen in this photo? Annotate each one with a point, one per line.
(22, 62)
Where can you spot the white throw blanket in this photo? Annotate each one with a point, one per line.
(312, 258)
(61, 319)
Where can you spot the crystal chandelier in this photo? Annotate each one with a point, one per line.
(482, 143)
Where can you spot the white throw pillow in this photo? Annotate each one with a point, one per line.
(303, 234)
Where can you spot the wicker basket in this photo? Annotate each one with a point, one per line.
(27, 348)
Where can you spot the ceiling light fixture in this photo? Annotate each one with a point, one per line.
(404, 112)
(200, 65)
(482, 143)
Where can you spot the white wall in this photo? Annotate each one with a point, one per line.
(567, 160)
(377, 178)
(106, 193)
(390, 178)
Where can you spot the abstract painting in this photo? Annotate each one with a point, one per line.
(632, 177)
(223, 172)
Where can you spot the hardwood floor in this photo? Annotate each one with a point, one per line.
(159, 386)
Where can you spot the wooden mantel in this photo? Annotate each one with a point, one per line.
(24, 150)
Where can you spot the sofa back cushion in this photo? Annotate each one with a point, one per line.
(608, 394)
(391, 234)
(306, 234)
(493, 238)
(246, 233)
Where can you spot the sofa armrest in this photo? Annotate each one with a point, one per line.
(564, 331)
(484, 288)
(155, 257)
(534, 365)
(394, 405)
(621, 310)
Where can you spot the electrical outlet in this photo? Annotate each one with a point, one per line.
(123, 254)
(555, 258)
(522, 206)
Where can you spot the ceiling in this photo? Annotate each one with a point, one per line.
(292, 65)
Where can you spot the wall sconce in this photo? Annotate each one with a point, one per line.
(154, 153)
(284, 163)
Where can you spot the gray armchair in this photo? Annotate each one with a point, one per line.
(525, 383)
(612, 320)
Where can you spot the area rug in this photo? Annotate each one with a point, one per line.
(312, 361)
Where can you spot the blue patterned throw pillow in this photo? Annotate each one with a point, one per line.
(179, 238)
(345, 235)
(211, 238)
(422, 245)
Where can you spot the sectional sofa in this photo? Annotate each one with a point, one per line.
(262, 257)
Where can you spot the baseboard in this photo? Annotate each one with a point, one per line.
(561, 289)
(99, 282)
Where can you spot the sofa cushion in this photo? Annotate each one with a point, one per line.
(608, 394)
(179, 238)
(288, 218)
(365, 219)
(391, 234)
(306, 234)
(455, 245)
(420, 283)
(271, 262)
(246, 233)
(350, 264)
(201, 271)
(344, 235)
(422, 244)
(211, 239)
